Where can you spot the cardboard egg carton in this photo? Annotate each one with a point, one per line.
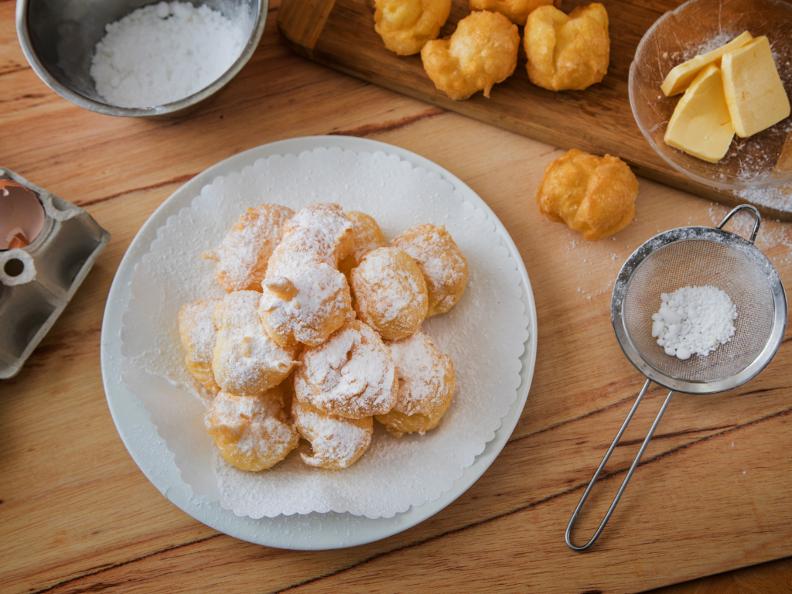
(38, 280)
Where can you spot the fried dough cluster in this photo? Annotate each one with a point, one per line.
(406, 25)
(356, 355)
(567, 52)
(592, 195)
(479, 54)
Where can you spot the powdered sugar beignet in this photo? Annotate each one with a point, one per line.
(322, 230)
(246, 360)
(390, 293)
(366, 237)
(243, 254)
(252, 433)
(305, 298)
(427, 383)
(336, 442)
(442, 262)
(304, 303)
(352, 375)
(197, 333)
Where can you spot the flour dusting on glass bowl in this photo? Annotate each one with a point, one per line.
(138, 58)
(757, 168)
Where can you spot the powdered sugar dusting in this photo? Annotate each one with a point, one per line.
(394, 291)
(196, 320)
(441, 262)
(246, 360)
(335, 441)
(321, 301)
(394, 474)
(422, 373)
(351, 375)
(255, 423)
(243, 254)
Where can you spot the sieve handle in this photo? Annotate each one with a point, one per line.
(746, 207)
(628, 476)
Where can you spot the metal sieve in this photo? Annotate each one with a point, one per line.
(692, 256)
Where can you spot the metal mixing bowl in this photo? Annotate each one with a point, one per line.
(58, 40)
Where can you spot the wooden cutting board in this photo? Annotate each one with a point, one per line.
(340, 34)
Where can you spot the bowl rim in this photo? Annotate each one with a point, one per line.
(23, 35)
(731, 185)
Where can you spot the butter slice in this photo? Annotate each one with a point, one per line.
(700, 125)
(754, 93)
(681, 75)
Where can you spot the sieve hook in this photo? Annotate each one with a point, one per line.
(751, 209)
(627, 477)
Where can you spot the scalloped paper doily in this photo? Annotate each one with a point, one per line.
(485, 334)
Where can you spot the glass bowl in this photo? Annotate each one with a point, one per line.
(760, 161)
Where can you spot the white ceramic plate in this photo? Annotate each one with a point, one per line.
(304, 532)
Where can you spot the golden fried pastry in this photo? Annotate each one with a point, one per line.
(516, 11)
(245, 359)
(351, 375)
(252, 433)
(366, 236)
(243, 254)
(390, 293)
(336, 442)
(406, 25)
(592, 195)
(321, 230)
(479, 54)
(443, 265)
(567, 52)
(197, 333)
(304, 301)
(426, 386)
(305, 298)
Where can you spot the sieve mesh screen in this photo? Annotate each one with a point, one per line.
(691, 262)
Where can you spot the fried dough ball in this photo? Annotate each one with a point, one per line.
(336, 442)
(479, 54)
(352, 375)
(427, 383)
(567, 52)
(243, 254)
(366, 236)
(320, 230)
(516, 11)
(305, 298)
(443, 265)
(406, 25)
(305, 302)
(252, 433)
(390, 293)
(197, 333)
(592, 195)
(245, 360)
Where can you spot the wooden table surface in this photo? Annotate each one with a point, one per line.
(77, 515)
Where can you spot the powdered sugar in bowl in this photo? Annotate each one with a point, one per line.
(72, 49)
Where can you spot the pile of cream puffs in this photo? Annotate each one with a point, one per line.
(563, 51)
(319, 335)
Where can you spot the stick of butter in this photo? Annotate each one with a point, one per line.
(680, 76)
(754, 93)
(700, 125)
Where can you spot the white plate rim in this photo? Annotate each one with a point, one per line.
(325, 531)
